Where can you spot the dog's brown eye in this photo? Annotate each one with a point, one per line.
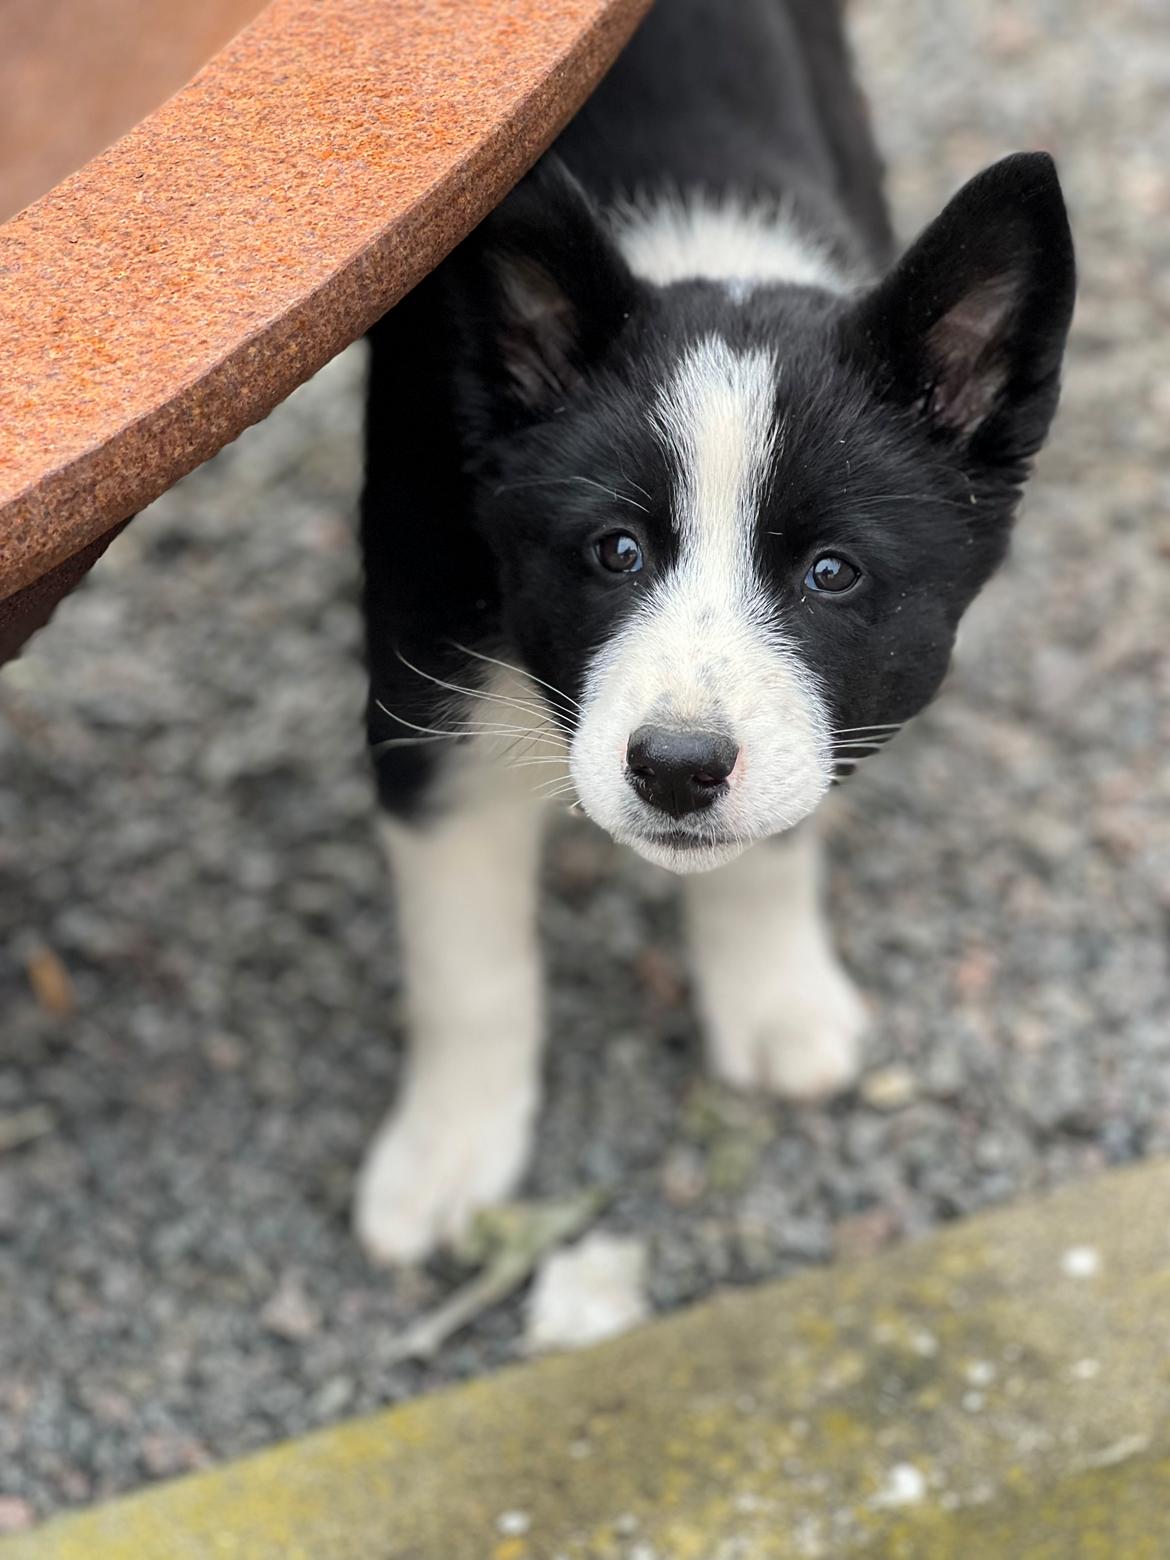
(832, 574)
(619, 553)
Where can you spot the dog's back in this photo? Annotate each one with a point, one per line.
(758, 95)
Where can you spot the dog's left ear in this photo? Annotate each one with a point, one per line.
(969, 328)
(557, 289)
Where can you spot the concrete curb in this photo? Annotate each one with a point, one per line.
(998, 1390)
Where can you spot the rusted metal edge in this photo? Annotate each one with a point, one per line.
(60, 504)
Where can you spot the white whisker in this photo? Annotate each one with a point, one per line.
(471, 729)
(622, 498)
(519, 670)
(629, 481)
(552, 796)
(926, 499)
(863, 731)
(526, 706)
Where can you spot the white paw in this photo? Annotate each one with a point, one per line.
(427, 1174)
(799, 1039)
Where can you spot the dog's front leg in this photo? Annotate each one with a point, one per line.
(780, 1012)
(459, 1135)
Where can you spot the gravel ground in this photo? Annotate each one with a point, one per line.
(197, 969)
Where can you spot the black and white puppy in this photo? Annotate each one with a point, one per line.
(677, 489)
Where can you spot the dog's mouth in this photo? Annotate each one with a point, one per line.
(679, 839)
(678, 850)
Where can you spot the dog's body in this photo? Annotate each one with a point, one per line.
(672, 505)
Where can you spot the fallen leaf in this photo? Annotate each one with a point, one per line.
(509, 1241)
(50, 981)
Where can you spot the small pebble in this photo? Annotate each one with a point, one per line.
(290, 1313)
(889, 1088)
(863, 1234)
(15, 1514)
(684, 1177)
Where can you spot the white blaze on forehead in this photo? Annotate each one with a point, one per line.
(716, 419)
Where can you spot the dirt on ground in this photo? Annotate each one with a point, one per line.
(198, 977)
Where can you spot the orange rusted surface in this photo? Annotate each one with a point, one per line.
(75, 75)
(185, 281)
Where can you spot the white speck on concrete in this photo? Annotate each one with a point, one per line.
(1080, 1262)
(747, 1505)
(980, 1373)
(595, 1290)
(626, 1525)
(808, 1539)
(973, 1401)
(1085, 1370)
(924, 1343)
(513, 1524)
(906, 1486)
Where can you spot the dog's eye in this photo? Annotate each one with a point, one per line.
(618, 552)
(835, 575)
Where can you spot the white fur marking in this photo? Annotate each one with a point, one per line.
(704, 650)
(458, 1137)
(715, 419)
(676, 238)
(779, 1011)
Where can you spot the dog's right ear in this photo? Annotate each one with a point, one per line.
(551, 289)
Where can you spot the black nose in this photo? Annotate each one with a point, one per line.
(679, 771)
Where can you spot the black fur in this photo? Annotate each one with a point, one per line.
(911, 408)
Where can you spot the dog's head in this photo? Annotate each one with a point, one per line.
(737, 526)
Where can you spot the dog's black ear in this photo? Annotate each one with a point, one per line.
(969, 327)
(554, 290)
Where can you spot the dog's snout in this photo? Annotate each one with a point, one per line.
(679, 772)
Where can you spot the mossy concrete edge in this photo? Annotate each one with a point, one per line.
(1002, 1387)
